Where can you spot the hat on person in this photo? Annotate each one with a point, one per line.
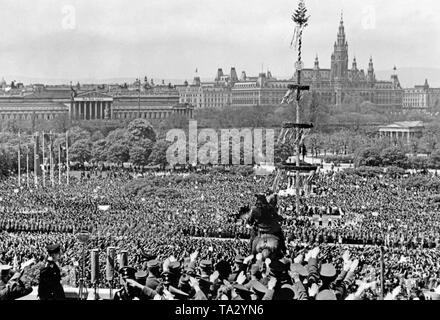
(174, 267)
(286, 292)
(239, 259)
(151, 264)
(128, 273)
(148, 256)
(205, 264)
(53, 248)
(5, 269)
(300, 269)
(141, 277)
(326, 295)
(327, 270)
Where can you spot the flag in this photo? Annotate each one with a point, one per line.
(37, 161)
(295, 37)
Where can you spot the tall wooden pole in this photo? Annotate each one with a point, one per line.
(300, 18)
(51, 173)
(59, 164)
(36, 159)
(382, 274)
(19, 159)
(27, 167)
(44, 166)
(67, 157)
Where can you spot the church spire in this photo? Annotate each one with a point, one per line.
(341, 33)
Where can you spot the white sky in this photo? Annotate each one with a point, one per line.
(171, 38)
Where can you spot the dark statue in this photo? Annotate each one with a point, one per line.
(266, 235)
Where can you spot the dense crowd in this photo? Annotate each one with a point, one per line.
(345, 212)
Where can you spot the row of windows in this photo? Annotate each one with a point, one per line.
(27, 116)
(146, 115)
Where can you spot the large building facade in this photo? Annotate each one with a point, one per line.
(81, 105)
(422, 98)
(340, 83)
(332, 86)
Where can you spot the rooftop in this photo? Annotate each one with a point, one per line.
(405, 124)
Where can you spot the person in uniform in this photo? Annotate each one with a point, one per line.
(141, 277)
(153, 279)
(237, 268)
(11, 287)
(127, 291)
(49, 287)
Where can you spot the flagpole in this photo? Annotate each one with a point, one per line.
(35, 160)
(19, 160)
(51, 160)
(382, 274)
(44, 166)
(67, 156)
(27, 167)
(59, 164)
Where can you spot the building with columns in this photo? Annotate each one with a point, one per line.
(47, 104)
(91, 106)
(404, 131)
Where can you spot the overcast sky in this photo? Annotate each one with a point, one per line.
(171, 38)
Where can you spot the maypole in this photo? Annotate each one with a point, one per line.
(296, 131)
(300, 18)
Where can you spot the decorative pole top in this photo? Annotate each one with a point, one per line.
(299, 16)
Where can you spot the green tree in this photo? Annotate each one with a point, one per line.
(99, 150)
(369, 156)
(141, 129)
(138, 156)
(76, 133)
(118, 136)
(393, 156)
(97, 135)
(158, 154)
(282, 152)
(81, 151)
(140, 152)
(434, 159)
(118, 153)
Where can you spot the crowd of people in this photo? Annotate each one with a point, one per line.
(333, 244)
